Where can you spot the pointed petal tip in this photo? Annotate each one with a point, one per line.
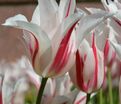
(12, 20)
(8, 23)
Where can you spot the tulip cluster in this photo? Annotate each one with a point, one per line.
(74, 54)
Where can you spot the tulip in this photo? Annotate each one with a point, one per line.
(50, 26)
(49, 35)
(87, 76)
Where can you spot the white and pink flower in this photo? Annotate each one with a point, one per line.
(88, 71)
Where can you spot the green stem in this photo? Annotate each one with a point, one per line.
(110, 87)
(88, 98)
(101, 96)
(41, 90)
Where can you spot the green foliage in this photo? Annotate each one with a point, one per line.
(95, 99)
(30, 97)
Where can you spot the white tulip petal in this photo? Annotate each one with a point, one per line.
(55, 5)
(89, 69)
(102, 37)
(48, 16)
(11, 21)
(36, 16)
(62, 31)
(101, 69)
(81, 98)
(84, 47)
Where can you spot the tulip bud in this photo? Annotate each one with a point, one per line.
(88, 72)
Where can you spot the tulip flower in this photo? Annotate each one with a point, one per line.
(49, 35)
(88, 76)
(54, 25)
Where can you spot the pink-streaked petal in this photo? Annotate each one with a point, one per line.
(79, 71)
(101, 70)
(1, 102)
(81, 98)
(63, 30)
(63, 39)
(96, 61)
(87, 54)
(106, 49)
(63, 54)
(39, 37)
(66, 8)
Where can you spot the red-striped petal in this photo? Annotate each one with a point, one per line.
(69, 6)
(63, 53)
(96, 61)
(1, 97)
(79, 71)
